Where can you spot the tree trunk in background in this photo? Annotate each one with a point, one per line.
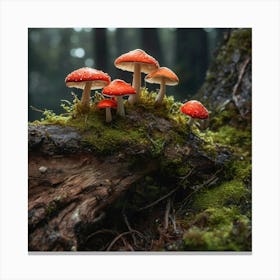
(191, 60)
(122, 47)
(121, 44)
(151, 44)
(228, 86)
(221, 35)
(100, 49)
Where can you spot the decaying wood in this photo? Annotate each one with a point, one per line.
(74, 189)
(70, 186)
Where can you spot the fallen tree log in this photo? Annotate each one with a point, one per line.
(71, 185)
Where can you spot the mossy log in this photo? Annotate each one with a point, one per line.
(71, 184)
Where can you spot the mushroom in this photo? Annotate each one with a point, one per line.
(107, 104)
(194, 109)
(163, 76)
(87, 79)
(136, 61)
(118, 88)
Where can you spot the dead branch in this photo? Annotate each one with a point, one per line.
(166, 215)
(240, 76)
(159, 200)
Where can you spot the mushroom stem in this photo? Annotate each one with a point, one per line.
(120, 109)
(108, 115)
(136, 84)
(86, 95)
(161, 93)
(204, 123)
(190, 121)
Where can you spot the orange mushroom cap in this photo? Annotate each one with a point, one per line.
(118, 88)
(165, 73)
(126, 61)
(79, 77)
(195, 109)
(107, 103)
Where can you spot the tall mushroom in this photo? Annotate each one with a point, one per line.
(136, 61)
(194, 109)
(119, 88)
(107, 104)
(163, 76)
(87, 79)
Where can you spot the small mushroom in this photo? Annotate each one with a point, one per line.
(136, 61)
(107, 104)
(118, 88)
(195, 110)
(87, 79)
(165, 77)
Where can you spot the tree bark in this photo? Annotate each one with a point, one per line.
(228, 84)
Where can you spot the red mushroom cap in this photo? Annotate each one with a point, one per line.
(107, 103)
(194, 109)
(126, 61)
(165, 73)
(79, 77)
(118, 88)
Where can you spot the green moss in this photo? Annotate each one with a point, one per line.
(111, 139)
(222, 117)
(240, 41)
(169, 109)
(236, 140)
(157, 145)
(227, 193)
(219, 229)
(49, 117)
(107, 138)
(239, 168)
(228, 136)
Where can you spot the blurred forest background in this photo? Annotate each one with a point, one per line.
(55, 52)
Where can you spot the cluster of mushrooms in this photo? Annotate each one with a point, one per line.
(136, 61)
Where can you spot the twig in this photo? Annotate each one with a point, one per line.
(120, 236)
(240, 76)
(173, 220)
(167, 195)
(214, 178)
(159, 200)
(36, 109)
(99, 218)
(186, 176)
(172, 217)
(166, 214)
(129, 228)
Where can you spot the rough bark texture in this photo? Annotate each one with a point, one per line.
(70, 186)
(228, 84)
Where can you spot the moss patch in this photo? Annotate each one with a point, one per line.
(227, 193)
(133, 129)
(219, 229)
